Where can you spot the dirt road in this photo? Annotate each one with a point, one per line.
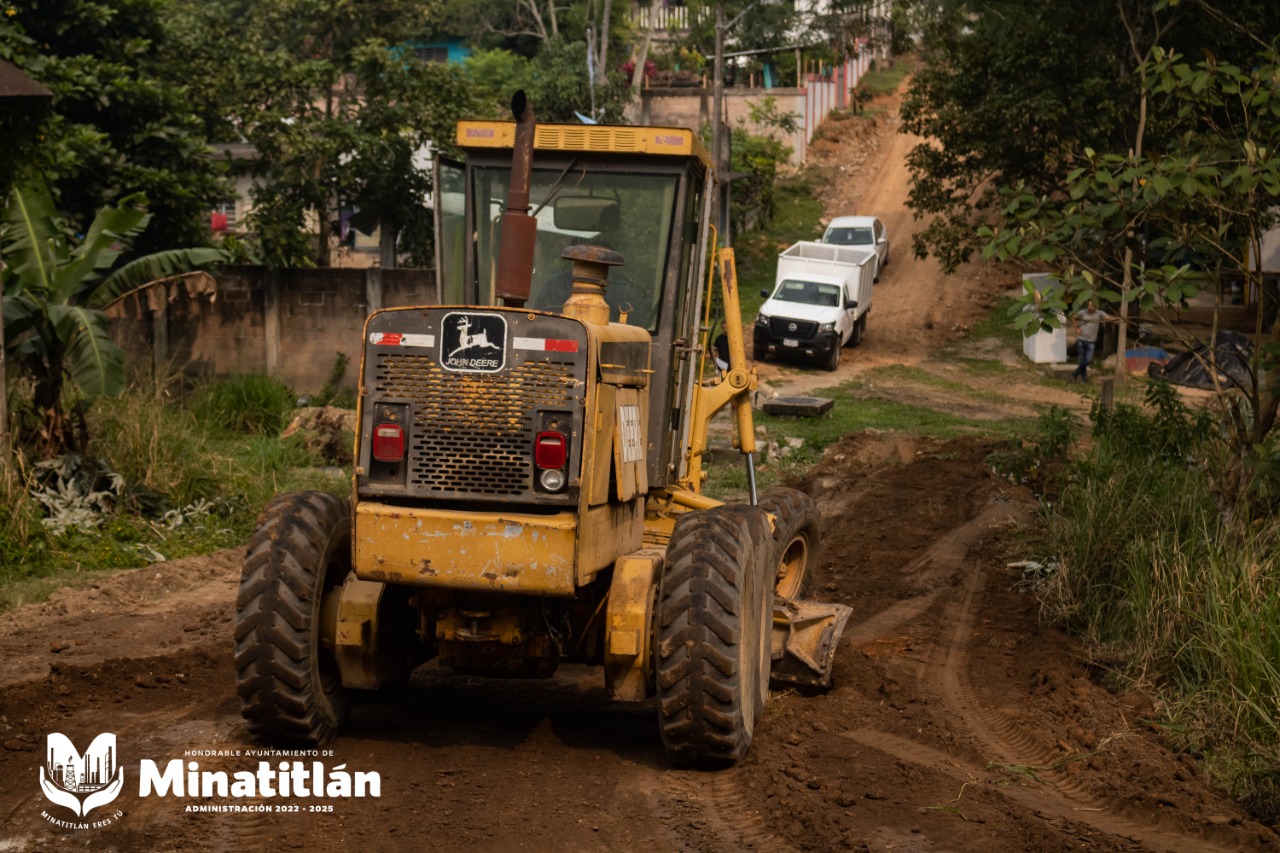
(958, 721)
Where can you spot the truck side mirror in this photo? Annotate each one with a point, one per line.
(851, 304)
(764, 293)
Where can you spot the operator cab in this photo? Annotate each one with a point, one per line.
(641, 192)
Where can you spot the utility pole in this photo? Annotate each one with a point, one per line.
(28, 99)
(717, 122)
(6, 456)
(718, 131)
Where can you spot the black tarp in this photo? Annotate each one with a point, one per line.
(1232, 352)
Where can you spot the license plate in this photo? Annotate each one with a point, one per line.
(790, 342)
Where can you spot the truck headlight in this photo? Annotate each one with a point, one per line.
(762, 319)
(827, 327)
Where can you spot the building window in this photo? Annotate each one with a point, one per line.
(432, 54)
(223, 215)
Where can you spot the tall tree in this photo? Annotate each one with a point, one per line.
(1010, 94)
(334, 103)
(1203, 192)
(116, 124)
(55, 287)
(1007, 91)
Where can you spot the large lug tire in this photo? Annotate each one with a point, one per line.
(289, 687)
(833, 360)
(797, 536)
(713, 628)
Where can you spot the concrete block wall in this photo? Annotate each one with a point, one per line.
(290, 323)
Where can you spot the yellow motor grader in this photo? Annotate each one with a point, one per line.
(529, 464)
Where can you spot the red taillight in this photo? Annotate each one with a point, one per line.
(388, 442)
(550, 450)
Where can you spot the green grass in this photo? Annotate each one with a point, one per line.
(982, 367)
(797, 212)
(882, 81)
(856, 409)
(997, 324)
(1173, 593)
(191, 487)
(250, 403)
(892, 373)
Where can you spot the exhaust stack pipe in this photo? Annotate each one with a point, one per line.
(519, 230)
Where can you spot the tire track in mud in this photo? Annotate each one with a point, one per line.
(1056, 795)
(943, 559)
(711, 813)
(1009, 744)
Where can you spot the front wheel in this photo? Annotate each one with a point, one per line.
(714, 623)
(859, 332)
(797, 534)
(289, 687)
(832, 360)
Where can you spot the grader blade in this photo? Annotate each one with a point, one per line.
(805, 636)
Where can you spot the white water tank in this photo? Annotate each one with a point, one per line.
(1045, 347)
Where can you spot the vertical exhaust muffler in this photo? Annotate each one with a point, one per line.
(519, 230)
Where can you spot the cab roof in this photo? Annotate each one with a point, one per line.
(852, 222)
(603, 138)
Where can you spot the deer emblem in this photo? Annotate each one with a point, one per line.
(466, 340)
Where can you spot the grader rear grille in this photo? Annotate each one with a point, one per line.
(473, 433)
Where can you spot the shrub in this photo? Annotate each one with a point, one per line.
(249, 403)
(158, 448)
(24, 543)
(1173, 586)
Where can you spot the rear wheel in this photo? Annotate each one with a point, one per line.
(289, 687)
(714, 618)
(796, 536)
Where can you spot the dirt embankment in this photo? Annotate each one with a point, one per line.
(959, 722)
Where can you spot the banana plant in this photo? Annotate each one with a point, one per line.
(55, 288)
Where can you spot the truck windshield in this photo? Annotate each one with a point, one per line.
(629, 213)
(808, 293)
(849, 237)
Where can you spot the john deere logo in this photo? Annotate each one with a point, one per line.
(81, 783)
(473, 343)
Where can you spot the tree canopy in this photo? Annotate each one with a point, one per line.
(1011, 93)
(118, 122)
(334, 103)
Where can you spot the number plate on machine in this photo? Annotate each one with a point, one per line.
(790, 342)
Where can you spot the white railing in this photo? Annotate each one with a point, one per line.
(669, 17)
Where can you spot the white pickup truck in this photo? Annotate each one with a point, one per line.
(820, 301)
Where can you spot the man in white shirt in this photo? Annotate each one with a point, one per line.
(1087, 321)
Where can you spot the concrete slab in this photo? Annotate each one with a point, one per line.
(800, 407)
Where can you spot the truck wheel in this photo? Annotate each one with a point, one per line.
(855, 337)
(796, 536)
(859, 330)
(833, 360)
(714, 623)
(288, 684)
